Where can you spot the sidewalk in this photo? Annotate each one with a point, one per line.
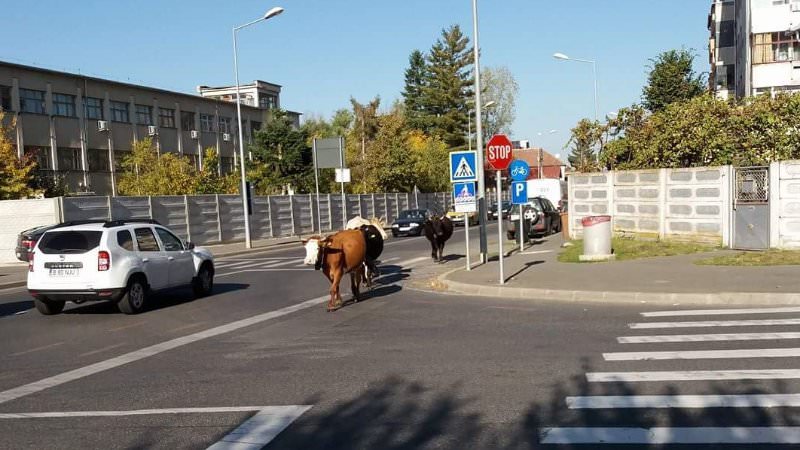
(15, 275)
(537, 274)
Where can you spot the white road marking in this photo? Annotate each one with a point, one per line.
(704, 354)
(707, 337)
(693, 375)
(721, 312)
(263, 270)
(133, 412)
(76, 374)
(32, 350)
(239, 264)
(671, 435)
(685, 401)
(716, 323)
(100, 350)
(260, 429)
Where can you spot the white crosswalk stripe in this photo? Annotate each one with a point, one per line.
(681, 395)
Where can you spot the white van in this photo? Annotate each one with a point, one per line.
(552, 189)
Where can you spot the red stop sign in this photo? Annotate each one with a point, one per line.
(498, 152)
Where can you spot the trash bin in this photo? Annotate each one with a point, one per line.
(596, 238)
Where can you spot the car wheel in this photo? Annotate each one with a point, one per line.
(394, 233)
(135, 297)
(203, 283)
(49, 307)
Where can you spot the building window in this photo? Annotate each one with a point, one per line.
(119, 112)
(5, 98)
(254, 126)
(727, 34)
(775, 47)
(144, 115)
(267, 101)
(224, 124)
(187, 121)
(207, 122)
(166, 118)
(64, 105)
(69, 158)
(31, 101)
(725, 77)
(119, 157)
(93, 107)
(226, 164)
(39, 154)
(98, 160)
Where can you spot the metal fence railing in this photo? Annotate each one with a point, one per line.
(209, 219)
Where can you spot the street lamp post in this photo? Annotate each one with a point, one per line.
(482, 216)
(564, 57)
(540, 156)
(270, 14)
(488, 105)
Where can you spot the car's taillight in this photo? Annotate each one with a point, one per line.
(103, 261)
(30, 262)
(29, 244)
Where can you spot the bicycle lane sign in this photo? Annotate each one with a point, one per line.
(519, 170)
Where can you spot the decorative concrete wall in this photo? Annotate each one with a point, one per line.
(686, 204)
(19, 215)
(785, 217)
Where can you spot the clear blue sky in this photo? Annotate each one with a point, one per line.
(323, 52)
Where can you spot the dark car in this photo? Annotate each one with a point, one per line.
(27, 240)
(505, 209)
(410, 222)
(544, 218)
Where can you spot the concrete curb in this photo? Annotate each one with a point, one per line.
(720, 298)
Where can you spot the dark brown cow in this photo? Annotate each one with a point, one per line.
(336, 255)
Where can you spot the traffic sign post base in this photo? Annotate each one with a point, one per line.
(500, 224)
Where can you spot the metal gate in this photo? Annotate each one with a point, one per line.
(751, 208)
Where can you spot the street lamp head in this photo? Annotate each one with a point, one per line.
(273, 12)
(560, 56)
(489, 104)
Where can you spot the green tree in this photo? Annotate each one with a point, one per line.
(365, 123)
(671, 79)
(498, 85)
(282, 158)
(16, 175)
(389, 166)
(448, 87)
(586, 136)
(413, 94)
(209, 181)
(144, 172)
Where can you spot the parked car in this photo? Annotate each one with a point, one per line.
(410, 222)
(505, 209)
(458, 218)
(117, 261)
(544, 218)
(27, 240)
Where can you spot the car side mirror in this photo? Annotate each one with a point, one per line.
(189, 245)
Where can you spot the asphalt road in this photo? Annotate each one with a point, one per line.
(406, 368)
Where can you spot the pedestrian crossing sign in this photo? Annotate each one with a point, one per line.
(464, 197)
(463, 166)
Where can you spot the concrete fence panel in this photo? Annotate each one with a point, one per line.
(85, 208)
(260, 223)
(788, 205)
(230, 211)
(130, 208)
(171, 212)
(19, 215)
(282, 214)
(202, 217)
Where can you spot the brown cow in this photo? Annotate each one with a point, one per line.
(344, 252)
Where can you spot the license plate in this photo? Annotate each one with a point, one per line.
(64, 272)
(405, 228)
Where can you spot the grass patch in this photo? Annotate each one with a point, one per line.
(765, 258)
(626, 249)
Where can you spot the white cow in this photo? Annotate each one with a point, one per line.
(357, 222)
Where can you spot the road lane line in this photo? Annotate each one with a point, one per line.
(707, 337)
(100, 350)
(716, 323)
(237, 265)
(693, 375)
(721, 312)
(684, 401)
(32, 350)
(76, 374)
(151, 412)
(704, 354)
(671, 435)
(260, 429)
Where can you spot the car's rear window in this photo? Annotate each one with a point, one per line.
(125, 240)
(73, 241)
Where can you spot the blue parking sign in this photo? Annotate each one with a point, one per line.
(519, 192)
(463, 166)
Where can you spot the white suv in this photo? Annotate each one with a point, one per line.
(119, 261)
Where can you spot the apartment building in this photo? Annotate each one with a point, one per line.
(754, 47)
(81, 127)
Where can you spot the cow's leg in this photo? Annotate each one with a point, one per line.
(434, 250)
(440, 251)
(355, 281)
(335, 302)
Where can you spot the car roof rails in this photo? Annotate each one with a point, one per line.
(119, 223)
(71, 223)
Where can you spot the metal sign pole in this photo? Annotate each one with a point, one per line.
(316, 183)
(344, 198)
(521, 230)
(500, 225)
(466, 233)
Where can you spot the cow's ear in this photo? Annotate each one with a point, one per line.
(324, 243)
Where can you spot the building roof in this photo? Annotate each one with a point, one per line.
(531, 156)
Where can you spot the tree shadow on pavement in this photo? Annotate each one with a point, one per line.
(398, 414)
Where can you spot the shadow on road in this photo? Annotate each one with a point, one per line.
(527, 266)
(9, 309)
(157, 301)
(398, 414)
